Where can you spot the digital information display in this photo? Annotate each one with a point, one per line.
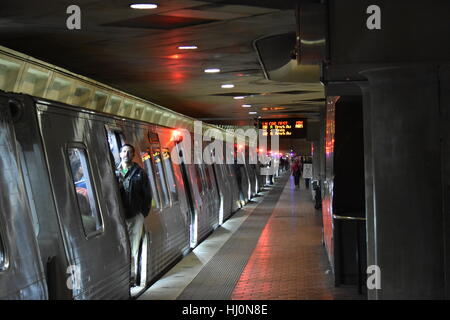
(284, 128)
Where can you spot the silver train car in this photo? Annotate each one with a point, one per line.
(56, 244)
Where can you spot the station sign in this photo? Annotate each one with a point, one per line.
(284, 128)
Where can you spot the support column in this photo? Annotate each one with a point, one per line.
(368, 155)
(403, 175)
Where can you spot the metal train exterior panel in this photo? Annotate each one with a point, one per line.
(55, 246)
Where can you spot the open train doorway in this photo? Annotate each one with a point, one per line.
(138, 274)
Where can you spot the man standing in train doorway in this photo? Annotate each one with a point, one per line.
(136, 198)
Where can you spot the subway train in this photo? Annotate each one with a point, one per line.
(56, 243)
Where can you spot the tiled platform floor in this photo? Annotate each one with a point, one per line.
(288, 261)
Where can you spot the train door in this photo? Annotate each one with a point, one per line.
(145, 264)
(21, 270)
(243, 182)
(179, 219)
(116, 140)
(224, 181)
(168, 228)
(221, 188)
(204, 202)
(87, 203)
(250, 173)
(214, 195)
(242, 174)
(252, 180)
(255, 172)
(231, 174)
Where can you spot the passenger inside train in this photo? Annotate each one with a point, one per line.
(136, 199)
(85, 196)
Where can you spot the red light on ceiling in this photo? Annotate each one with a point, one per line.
(176, 77)
(175, 56)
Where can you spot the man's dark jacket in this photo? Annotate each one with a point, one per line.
(135, 191)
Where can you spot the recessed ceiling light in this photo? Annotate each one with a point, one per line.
(227, 86)
(238, 98)
(246, 106)
(252, 112)
(143, 6)
(187, 47)
(212, 70)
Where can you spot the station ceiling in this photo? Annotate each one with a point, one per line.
(137, 51)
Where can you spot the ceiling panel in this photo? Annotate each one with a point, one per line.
(137, 51)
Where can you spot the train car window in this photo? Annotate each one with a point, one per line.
(159, 175)
(209, 179)
(155, 153)
(224, 173)
(29, 192)
(229, 170)
(170, 175)
(115, 140)
(148, 167)
(200, 178)
(84, 190)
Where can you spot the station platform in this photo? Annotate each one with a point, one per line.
(270, 250)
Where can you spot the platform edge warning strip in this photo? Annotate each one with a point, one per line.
(220, 275)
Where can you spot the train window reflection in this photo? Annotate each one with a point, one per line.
(115, 140)
(148, 167)
(170, 175)
(208, 177)
(160, 180)
(199, 178)
(82, 182)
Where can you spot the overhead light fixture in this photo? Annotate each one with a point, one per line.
(252, 112)
(227, 86)
(246, 106)
(187, 47)
(212, 70)
(143, 6)
(239, 98)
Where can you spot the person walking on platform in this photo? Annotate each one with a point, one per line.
(271, 170)
(307, 171)
(296, 172)
(136, 198)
